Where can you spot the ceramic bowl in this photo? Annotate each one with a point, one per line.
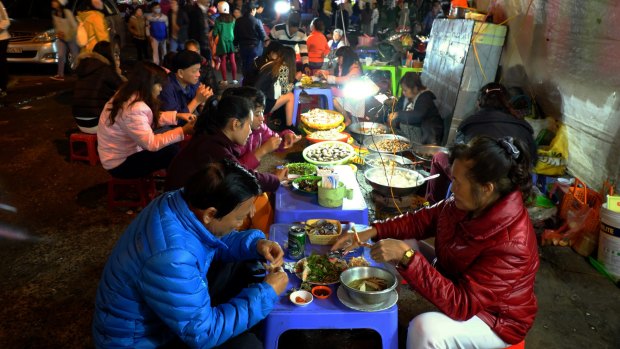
(301, 298)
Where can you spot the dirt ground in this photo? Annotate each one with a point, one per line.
(64, 231)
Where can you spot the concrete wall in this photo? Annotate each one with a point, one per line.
(567, 54)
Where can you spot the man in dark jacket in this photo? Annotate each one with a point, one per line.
(183, 93)
(249, 35)
(198, 26)
(98, 79)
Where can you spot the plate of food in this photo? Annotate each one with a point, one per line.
(298, 169)
(306, 184)
(322, 119)
(327, 135)
(323, 231)
(320, 270)
(328, 153)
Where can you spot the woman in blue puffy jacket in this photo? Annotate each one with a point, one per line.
(170, 280)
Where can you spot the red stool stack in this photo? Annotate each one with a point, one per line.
(136, 192)
(85, 152)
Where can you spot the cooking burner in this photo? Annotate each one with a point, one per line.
(387, 205)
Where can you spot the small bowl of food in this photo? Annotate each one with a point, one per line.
(301, 298)
(328, 153)
(321, 291)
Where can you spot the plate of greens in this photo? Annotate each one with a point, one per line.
(320, 270)
(298, 169)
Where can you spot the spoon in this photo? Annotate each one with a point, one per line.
(424, 179)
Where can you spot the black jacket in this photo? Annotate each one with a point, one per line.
(497, 124)
(249, 31)
(197, 28)
(425, 115)
(97, 81)
(265, 81)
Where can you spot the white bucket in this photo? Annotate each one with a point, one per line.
(609, 241)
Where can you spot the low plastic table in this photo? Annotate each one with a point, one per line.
(327, 313)
(294, 206)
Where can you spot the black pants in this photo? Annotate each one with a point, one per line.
(4, 70)
(145, 162)
(142, 48)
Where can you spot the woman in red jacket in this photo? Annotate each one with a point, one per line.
(482, 279)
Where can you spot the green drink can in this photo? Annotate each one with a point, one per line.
(296, 242)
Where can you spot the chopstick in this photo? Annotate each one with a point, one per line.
(358, 240)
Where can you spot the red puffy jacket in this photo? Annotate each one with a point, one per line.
(486, 265)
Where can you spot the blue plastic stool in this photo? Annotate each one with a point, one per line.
(385, 323)
(327, 92)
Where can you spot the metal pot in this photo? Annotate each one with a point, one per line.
(374, 175)
(384, 158)
(368, 297)
(362, 130)
(457, 12)
(426, 152)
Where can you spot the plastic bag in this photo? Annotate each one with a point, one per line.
(552, 159)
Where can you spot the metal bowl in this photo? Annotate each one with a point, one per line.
(371, 143)
(374, 174)
(426, 152)
(368, 297)
(380, 159)
(361, 130)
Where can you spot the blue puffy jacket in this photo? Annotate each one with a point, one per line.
(154, 285)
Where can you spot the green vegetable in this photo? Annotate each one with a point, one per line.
(301, 168)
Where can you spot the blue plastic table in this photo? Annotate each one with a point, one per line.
(294, 206)
(327, 313)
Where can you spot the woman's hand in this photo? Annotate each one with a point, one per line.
(290, 139)
(389, 250)
(270, 145)
(188, 128)
(348, 242)
(187, 117)
(281, 173)
(272, 252)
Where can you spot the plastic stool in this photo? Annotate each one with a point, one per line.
(385, 323)
(89, 152)
(520, 345)
(327, 92)
(143, 187)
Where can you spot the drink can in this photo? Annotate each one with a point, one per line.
(296, 242)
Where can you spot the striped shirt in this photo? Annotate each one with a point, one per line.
(297, 41)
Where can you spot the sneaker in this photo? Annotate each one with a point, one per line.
(223, 83)
(235, 82)
(57, 78)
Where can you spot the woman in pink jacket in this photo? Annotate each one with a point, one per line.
(262, 140)
(128, 145)
(481, 276)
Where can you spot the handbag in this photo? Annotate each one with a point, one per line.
(81, 36)
(277, 90)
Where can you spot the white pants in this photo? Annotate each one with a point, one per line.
(437, 331)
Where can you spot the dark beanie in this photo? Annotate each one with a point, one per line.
(185, 59)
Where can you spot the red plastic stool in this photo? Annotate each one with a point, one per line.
(520, 345)
(86, 153)
(142, 189)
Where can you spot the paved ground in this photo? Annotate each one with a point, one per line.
(48, 279)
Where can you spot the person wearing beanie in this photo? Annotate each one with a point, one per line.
(183, 93)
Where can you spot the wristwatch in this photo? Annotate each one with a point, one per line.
(407, 257)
